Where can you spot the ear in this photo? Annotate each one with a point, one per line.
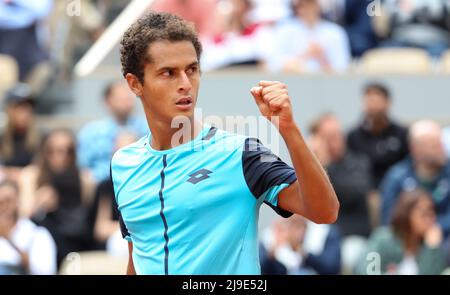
(134, 84)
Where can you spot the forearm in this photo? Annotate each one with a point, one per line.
(317, 196)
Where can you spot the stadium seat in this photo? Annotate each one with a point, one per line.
(10, 73)
(396, 61)
(445, 63)
(93, 263)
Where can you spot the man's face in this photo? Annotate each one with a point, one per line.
(308, 10)
(334, 137)
(121, 101)
(21, 115)
(375, 105)
(429, 150)
(171, 81)
(422, 217)
(8, 201)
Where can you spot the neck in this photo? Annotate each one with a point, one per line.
(165, 137)
(377, 125)
(426, 172)
(412, 244)
(121, 120)
(311, 22)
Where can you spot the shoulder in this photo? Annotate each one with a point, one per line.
(289, 24)
(130, 155)
(26, 227)
(222, 140)
(94, 127)
(355, 132)
(383, 235)
(398, 128)
(333, 29)
(401, 169)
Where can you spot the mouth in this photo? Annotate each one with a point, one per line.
(184, 103)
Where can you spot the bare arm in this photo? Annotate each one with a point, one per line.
(130, 268)
(312, 196)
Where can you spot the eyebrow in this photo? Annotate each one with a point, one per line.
(165, 68)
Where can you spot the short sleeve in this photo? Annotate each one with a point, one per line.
(123, 227)
(266, 174)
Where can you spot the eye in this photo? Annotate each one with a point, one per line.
(168, 73)
(192, 70)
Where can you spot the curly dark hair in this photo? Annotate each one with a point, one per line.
(152, 27)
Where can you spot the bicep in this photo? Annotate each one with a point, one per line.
(289, 199)
(266, 175)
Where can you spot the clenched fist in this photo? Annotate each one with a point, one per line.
(274, 103)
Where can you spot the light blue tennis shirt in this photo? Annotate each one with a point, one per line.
(194, 209)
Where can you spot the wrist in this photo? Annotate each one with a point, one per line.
(287, 130)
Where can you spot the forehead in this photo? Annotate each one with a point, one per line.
(424, 202)
(375, 94)
(59, 137)
(172, 54)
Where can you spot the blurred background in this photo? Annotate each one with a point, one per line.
(370, 87)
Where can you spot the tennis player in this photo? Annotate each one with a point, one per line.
(189, 204)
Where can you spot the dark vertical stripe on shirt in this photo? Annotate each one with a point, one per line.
(166, 237)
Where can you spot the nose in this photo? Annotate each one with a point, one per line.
(185, 84)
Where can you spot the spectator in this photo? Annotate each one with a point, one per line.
(96, 140)
(20, 139)
(428, 168)
(295, 246)
(353, 17)
(25, 248)
(71, 37)
(58, 194)
(203, 13)
(306, 43)
(270, 11)
(411, 244)
(20, 22)
(417, 23)
(378, 136)
(240, 43)
(105, 217)
(349, 172)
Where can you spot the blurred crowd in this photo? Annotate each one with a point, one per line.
(392, 181)
(56, 195)
(393, 184)
(44, 39)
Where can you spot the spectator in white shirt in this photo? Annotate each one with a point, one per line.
(25, 248)
(306, 43)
